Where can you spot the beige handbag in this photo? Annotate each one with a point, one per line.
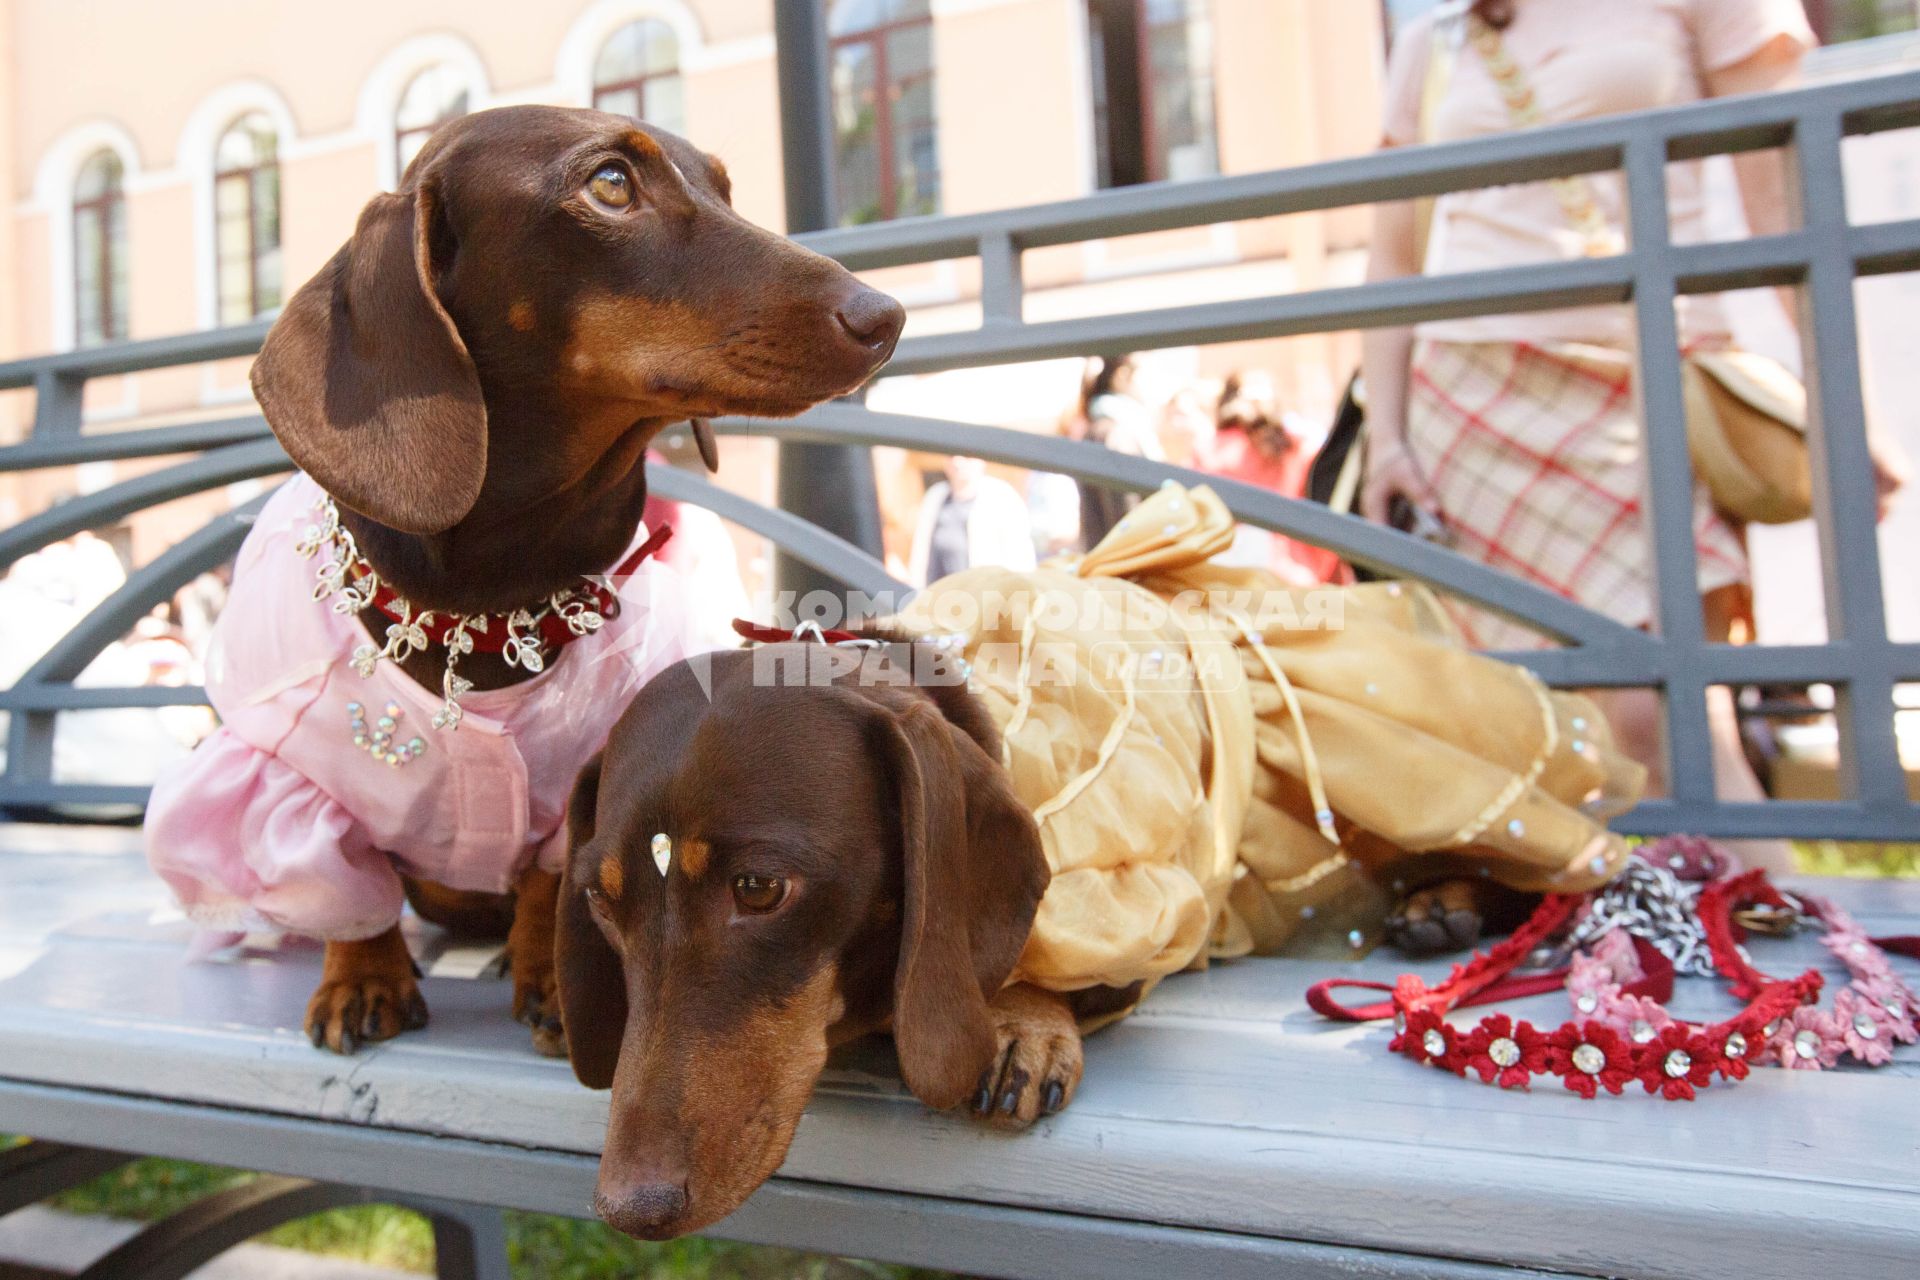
(1746, 413)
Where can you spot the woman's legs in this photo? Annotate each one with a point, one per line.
(1635, 717)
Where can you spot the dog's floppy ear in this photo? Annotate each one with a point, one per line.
(593, 984)
(972, 877)
(366, 381)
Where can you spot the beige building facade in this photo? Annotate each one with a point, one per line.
(176, 167)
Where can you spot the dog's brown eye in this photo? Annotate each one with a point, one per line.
(611, 187)
(758, 895)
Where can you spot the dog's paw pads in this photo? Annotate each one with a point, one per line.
(1434, 920)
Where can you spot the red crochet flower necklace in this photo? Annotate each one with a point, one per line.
(1620, 982)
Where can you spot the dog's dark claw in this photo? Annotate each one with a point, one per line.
(349, 1042)
(416, 1013)
(1051, 1099)
(983, 1098)
(317, 1032)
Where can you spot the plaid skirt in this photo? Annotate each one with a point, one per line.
(1534, 453)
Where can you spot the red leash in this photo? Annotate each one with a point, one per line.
(1674, 1058)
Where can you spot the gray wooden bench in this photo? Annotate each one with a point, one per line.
(1224, 1131)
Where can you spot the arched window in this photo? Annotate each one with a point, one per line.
(1152, 88)
(246, 211)
(433, 97)
(886, 145)
(100, 250)
(638, 74)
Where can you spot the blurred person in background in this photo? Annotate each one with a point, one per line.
(1186, 429)
(1114, 417)
(1519, 432)
(968, 519)
(1251, 444)
(1053, 500)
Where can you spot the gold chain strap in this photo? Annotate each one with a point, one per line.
(1575, 193)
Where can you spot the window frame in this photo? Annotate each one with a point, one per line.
(637, 85)
(1153, 156)
(403, 133)
(104, 207)
(877, 37)
(250, 175)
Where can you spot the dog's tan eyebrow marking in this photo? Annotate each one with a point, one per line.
(520, 315)
(613, 875)
(692, 856)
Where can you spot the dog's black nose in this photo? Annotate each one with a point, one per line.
(871, 318)
(646, 1211)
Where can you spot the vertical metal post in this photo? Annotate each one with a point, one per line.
(56, 405)
(1668, 489)
(830, 485)
(1843, 488)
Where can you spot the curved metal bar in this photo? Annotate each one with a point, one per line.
(148, 442)
(1358, 540)
(469, 1241)
(807, 543)
(218, 467)
(178, 1245)
(214, 543)
(31, 1173)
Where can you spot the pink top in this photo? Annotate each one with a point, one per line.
(277, 821)
(1583, 58)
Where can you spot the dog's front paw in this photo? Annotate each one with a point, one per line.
(1037, 1063)
(536, 988)
(367, 992)
(349, 1012)
(536, 1002)
(1441, 917)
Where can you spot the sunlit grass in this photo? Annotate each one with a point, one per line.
(1861, 859)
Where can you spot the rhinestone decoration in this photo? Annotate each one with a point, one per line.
(1504, 1052)
(1587, 1002)
(1589, 1059)
(1736, 1046)
(1579, 724)
(1898, 1010)
(1865, 1027)
(1372, 688)
(1434, 1043)
(1399, 1024)
(1641, 1031)
(1516, 828)
(662, 849)
(1677, 1064)
(1806, 1044)
(1356, 939)
(381, 740)
(351, 582)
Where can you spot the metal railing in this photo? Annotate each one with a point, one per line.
(1822, 256)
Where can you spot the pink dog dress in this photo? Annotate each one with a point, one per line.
(280, 821)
